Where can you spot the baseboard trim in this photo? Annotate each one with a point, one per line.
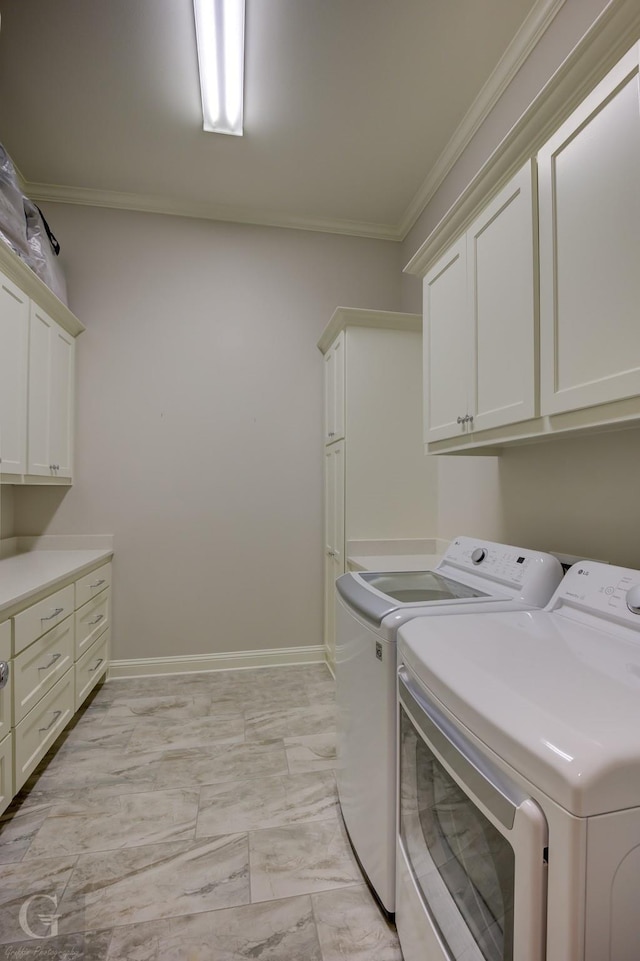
(231, 661)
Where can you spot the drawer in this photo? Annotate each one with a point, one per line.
(92, 666)
(91, 620)
(91, 584)
(35, 733)
(5, 642)
(6, 669)
(40, 666)
(41, 617)
(6, 772)
(6, 698)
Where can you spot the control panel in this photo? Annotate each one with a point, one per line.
(495, 561)
(603, 589)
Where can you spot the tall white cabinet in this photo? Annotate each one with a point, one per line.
(379, 485)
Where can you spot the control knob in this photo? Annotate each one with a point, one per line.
(478, 555)
(633, 599)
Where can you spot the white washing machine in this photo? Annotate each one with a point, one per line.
(472, 576)
(519, 773)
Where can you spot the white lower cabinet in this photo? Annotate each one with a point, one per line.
(36, 732)
(6, 772)
(6, 712)
(39, 667)
(91, 620)
(91, 667)
(54, 652)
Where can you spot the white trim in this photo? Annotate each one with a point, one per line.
(613, 33)
(155, 204)
(231, 661)
(344, 317)
(537, 21)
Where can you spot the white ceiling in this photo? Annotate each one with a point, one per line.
(353, 108)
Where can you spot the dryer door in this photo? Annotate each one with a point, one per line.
(473, 843)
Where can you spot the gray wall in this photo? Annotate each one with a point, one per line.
(199, 425)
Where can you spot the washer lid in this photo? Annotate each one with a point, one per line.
(557, 699)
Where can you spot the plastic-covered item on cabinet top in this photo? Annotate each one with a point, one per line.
(43, 251)
(24, 229)
(13, 227)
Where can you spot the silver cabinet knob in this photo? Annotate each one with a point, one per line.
(4, 674)
(470, 418)
(460, 420)
(633, 599)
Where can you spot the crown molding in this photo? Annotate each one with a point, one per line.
(539, 18)
(361, 317)
(610, 37)
(156, 204)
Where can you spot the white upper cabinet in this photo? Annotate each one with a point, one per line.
(501, 265)
(37, 377)
(479, 320)
(334, 374)
(14, 338)
(51, 394)
(446, 345)
(589, 193)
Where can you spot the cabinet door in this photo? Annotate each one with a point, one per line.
(14, 339)
(446, 345)
(334, 563)
(39, 441)
(589, 187)
(334, 502)
(501, 265)
(51, 394)
(61, 401)
(334, 390)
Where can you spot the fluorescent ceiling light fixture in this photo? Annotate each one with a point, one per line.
(220, 39)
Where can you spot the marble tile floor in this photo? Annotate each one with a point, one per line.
(189, 818)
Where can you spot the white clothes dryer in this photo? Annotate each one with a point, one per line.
(519, 779)
(472, 576)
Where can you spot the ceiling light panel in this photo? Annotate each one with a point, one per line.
(220, 39)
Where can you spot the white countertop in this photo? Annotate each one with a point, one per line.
(394, 562)
(24, 575)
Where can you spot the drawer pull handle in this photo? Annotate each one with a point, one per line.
(56, 715)
(97, 583)
(4, 674)
(99, 662)
(96, 620)
(50, 617)
(54, 658)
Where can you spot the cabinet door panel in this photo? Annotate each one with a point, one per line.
(61, 400)
(334, 379)
(446, 344)
(14, 339)
(501, 278)
(39, 443)
(589, 176)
